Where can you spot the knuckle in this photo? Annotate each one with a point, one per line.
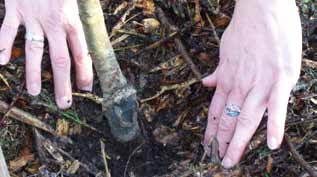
(54, 20)
(61, 62)
(81, 57)
(73, 26)
(245, 120)
(240, 90)
(225, 126)
(35, 47)
(223, 86)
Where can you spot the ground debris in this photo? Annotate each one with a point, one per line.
(174, 105)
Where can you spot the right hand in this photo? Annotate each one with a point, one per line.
(260, 60)
(59, 21)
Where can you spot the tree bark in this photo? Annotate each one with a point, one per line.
(101, 51)
(119, 99)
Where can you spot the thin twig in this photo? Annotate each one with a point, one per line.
(214, 32)
(130, 156)
(104, 157)
(158, 43)
(169, 88)
(89, 96)
(299, 158)
(180, 47)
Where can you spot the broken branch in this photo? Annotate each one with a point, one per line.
(26, 118)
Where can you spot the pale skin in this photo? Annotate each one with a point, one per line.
(260, 59)
(59, 21)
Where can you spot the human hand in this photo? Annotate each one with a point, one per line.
(260, 59)
(59, 21)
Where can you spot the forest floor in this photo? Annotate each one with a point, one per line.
(173, 104)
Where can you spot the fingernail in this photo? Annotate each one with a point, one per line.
(3, 60)
(227, 163)
(34, 89)
(86, 88)
(64, 102)
(272, 143)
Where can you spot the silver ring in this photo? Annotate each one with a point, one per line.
(34, 38)
(232, 110)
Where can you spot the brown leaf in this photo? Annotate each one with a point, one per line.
(47, 76)
(20, 162)
(62, 127)
(148, 6)
(221, 21)
(16, 52)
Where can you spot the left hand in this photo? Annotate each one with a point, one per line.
(260, 59)
(59, 21)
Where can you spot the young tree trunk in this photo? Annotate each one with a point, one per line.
(100, 48)
(120, 103)
(3, 166)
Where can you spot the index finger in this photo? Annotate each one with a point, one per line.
(8, 32)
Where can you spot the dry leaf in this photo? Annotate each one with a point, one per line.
(20, 162)
(148, 6)
(221, 21)
(16, 52)
(46, 76)
(150, 25)
(62, 127)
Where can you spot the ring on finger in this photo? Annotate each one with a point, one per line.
(232, 110)
(34, 38)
